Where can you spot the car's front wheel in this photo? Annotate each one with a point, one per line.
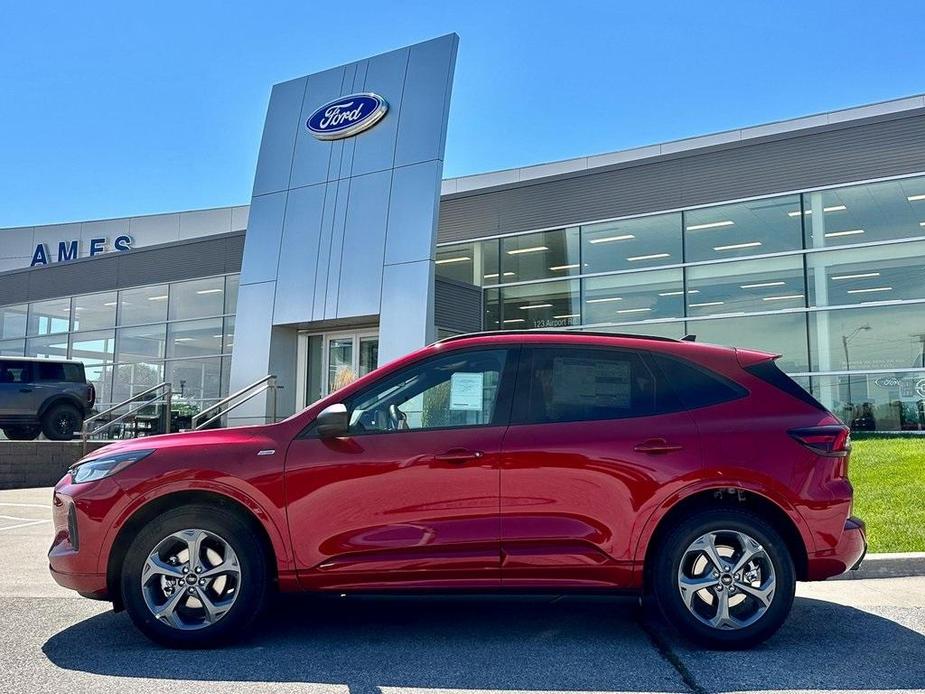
(724, 578)
(195, 577)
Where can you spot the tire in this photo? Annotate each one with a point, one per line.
(22, 433)
(749, 618)
(236, 603)
(61, 421)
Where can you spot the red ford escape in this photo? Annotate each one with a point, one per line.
(699, 474)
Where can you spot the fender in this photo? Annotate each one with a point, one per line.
(68, 398)
(278, 539)
(647, 529)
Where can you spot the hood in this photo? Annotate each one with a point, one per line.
(206, 437)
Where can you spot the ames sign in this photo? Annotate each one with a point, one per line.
(71, 250)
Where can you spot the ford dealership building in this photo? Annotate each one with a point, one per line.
(803, 237)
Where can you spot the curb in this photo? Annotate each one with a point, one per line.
(887, 565)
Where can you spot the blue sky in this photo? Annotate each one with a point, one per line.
(111, 109)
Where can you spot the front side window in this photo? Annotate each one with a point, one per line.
(455, 390)
(570, 384)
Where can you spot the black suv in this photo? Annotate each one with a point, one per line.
(50, 396)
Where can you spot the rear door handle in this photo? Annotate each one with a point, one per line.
(656, 447)
(458, 456)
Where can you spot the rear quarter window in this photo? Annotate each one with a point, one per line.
(695, 385)
(58, 371)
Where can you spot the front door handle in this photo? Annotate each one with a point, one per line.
(25, 390)
(656, 446)
(458, 456)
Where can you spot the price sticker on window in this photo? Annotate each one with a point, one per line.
(466, 392)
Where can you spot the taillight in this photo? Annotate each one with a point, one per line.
(91, 394)
(833, 440)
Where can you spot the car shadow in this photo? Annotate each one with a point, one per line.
(508, 643)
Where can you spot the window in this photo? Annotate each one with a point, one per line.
(544, 305)
(867, 275)
(631, 244)
(574, 385)
(474, 263)
(95, 311)
(13, 321)
(93, 348)
(143, 305)
(769, 284)
(15, 372)
(869, 212)
(198, 338)
(12, 348)
(633, 297)
(784, 334)
(749, 228)
(545, 255)
(49, 347)
(46, 317)
(197, 299)
(695, 385)
(59, 371)
(141, 344)
(459, 389)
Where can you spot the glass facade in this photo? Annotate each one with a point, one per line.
(133, 339)
(833, 280)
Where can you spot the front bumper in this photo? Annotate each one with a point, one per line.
(80, 515)
(847, 554)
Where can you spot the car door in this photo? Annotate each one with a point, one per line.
(16, 398)
(594, 436)
(410, 497)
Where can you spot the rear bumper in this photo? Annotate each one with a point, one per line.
(88, 585)
(847, 553)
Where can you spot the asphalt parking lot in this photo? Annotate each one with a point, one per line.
(862, 635)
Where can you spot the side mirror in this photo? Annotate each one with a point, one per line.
(332, 421)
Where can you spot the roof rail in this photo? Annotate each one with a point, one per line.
(544, 331)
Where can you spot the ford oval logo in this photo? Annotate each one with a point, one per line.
(347, 116)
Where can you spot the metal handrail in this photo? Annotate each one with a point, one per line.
(166, 397)
(266, 383)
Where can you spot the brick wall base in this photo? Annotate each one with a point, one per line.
(26, 464)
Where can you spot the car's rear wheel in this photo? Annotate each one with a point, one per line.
(61, 422)
(22, 433)
(724, 578)
(195, 577)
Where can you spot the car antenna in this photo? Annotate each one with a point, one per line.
(689, 338)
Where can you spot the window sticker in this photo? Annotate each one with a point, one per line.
(591, 382)
(466, 392)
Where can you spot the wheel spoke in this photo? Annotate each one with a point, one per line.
(751, 550)
(193, 540)
(168, 611)
(764, 593)
(707, 546)
(690, 586)
(214, 611)
(225, 567)
(157, 566)
(722, 619)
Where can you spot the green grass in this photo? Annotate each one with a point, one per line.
(888, 475)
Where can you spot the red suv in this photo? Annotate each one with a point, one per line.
(502, 461)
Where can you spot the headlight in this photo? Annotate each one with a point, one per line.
(105, 465)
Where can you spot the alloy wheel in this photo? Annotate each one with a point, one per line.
(726, 579)
(191, 579)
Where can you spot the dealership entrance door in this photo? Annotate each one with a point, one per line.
(328, 361)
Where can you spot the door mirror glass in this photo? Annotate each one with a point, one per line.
(332, 421)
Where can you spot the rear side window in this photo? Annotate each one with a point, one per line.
(694, 385)
(15, 372)
(57, 371)
(769, 372)
(574, 385)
